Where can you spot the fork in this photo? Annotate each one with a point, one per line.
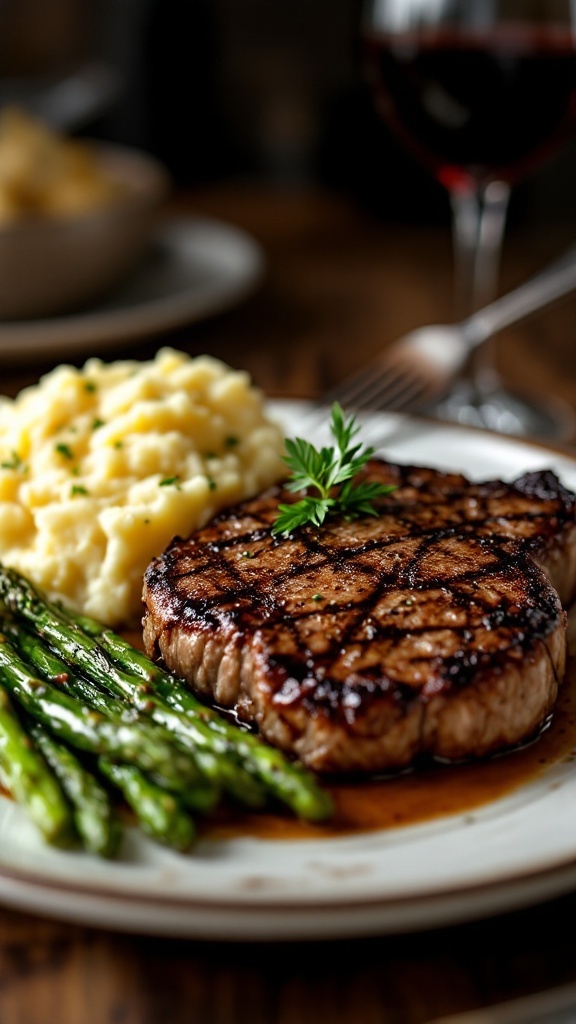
(419, 367)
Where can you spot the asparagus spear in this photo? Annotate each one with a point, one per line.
(202, 796)
(94, 816)
(159, 813)
(219, 769)
(80, 726)
(115, 665)
(287, 781)
(27, 777)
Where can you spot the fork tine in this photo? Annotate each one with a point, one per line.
(403, 379)
(392, 385)
(406, 393)
(352, 390)
(387, 391)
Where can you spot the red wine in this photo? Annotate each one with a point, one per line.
(476, 107)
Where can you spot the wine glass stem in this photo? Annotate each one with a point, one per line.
(479, 220)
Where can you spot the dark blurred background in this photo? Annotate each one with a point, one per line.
(246, 89)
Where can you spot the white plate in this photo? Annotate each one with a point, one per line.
(510, 853)
(197, 267)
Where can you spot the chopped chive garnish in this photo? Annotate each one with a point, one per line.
(64, 450)
(14, 462)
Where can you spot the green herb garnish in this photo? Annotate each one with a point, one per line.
(14, 462)
(331, 473)
(77, 489)
(65, 450)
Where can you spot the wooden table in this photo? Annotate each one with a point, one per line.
(339, 286)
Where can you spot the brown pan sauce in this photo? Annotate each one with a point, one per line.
(422, 794)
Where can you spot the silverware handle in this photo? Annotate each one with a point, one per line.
(539, 291)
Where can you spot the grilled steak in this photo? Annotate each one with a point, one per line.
(435, 628)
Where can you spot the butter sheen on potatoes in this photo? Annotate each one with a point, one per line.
(101, 466)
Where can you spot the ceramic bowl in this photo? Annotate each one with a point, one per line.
(56, 263)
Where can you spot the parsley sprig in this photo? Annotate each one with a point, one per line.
(330, 472)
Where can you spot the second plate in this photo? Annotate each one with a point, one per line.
(197, 267)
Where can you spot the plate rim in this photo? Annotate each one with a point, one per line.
(104, 327)
(358, 914)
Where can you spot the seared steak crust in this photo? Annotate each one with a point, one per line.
(436, 627)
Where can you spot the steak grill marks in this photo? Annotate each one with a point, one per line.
(441, 587)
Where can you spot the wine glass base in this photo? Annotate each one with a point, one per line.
(533, 417)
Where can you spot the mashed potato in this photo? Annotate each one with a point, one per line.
(101, 466)
(42, 172)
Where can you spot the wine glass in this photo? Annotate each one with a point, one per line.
(481, 92)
